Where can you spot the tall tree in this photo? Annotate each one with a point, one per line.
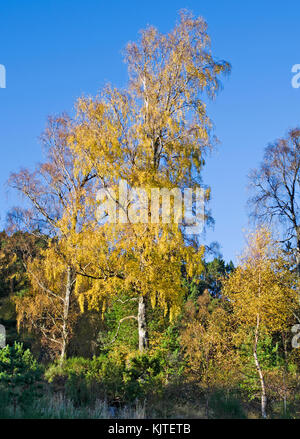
(277, 187)
(154, 134)
(55, 192)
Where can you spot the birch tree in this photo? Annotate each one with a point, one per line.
(55, 193)
(49, 309)
(153, 134)
(263, 294)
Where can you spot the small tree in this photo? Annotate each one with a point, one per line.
(49, 308)
(207, 339)
(263, 294)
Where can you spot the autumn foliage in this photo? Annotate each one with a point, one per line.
(129, 310)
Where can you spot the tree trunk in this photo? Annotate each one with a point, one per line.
(261, 377)
(65, 332)
(142, 325)
(285, 370)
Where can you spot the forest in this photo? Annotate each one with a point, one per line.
(111, 308)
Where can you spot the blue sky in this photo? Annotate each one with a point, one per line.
(57, 50)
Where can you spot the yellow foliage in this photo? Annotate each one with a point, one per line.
(263, 285)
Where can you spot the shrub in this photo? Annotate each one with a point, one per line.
(19, 375)
(115, 377)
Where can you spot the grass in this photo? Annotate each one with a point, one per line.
(59, 407)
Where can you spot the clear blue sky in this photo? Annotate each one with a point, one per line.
(56, 50)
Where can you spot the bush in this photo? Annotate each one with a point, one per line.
(19, 376)
(115, 377)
